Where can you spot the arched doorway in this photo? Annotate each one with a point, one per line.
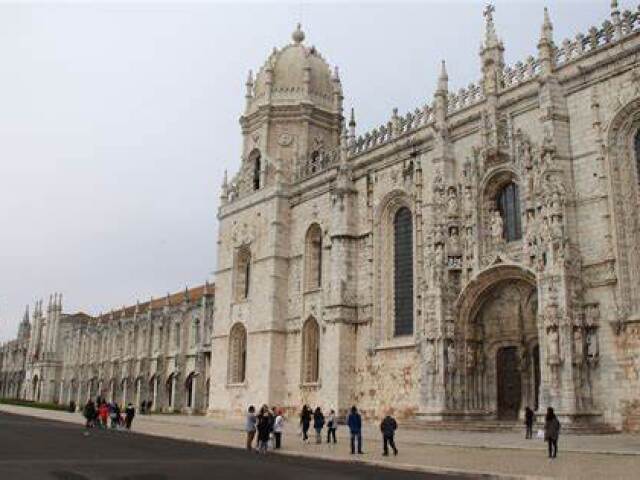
(190, 390)
(498, 311)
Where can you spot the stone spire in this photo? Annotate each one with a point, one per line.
(443, 79)
(352, 126)
(249, 86)
(492, 55)
(546, 48)
(491, 39)
(25, 318)
(547, 27)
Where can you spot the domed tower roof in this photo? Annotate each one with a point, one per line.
(294, 74)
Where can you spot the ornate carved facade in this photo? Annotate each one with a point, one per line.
(476, 255)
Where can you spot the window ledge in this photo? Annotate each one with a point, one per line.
(237, 385)
(309, 291)
(408, 342)
(311, 385)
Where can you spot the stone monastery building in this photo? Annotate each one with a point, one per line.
(472, 257)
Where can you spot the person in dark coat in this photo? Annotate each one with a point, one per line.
(528, 421)
(264, 429)
(551, 432)
(305, 422)
(318, 424)
(90, 414)
(129, 413)
(388, 427)
(354, 421)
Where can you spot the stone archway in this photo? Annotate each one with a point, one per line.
(499, 334)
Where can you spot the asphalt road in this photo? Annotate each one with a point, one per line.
(35, 449)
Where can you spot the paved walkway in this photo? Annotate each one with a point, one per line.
(580, 456)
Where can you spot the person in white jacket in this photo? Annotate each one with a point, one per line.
(278, 428)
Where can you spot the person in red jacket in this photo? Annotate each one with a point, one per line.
(103, 413)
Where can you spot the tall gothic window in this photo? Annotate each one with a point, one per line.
(637, 152)
(237, 354)
(508, 204)
(310, 351)
(313, 257)
(243, 273)
(255, 160)
(403, 272)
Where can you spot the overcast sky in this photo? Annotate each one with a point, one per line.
(117, 121)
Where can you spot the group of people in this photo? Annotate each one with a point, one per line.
(551, 429)
(268, 424)
(99, 413)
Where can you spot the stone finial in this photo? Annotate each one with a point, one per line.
(206, 287)
(298, 35)
(25, 319)
(60, 301)
(336, 74)
(490, 35)
(249, 85)
(443, 79)
(547, 27)
(186, 294)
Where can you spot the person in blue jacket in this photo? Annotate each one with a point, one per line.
(354, 421)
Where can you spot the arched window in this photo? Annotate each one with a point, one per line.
(508, 204)
(403, 272)
(313, 257)
(310, 351)
(636, 145)
(243, 273)
(254, 158)
(237, 354)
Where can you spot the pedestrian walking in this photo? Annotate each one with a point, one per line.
(551, 432)
(278, 428)
(103, 414)
(528, 421)
(114, 415)
(264, 428)
(89, 413)
(354, 421)
(305, 422)
(250, 426)
(129, 413)
(388, 427)
(332, 424)
(318, 423)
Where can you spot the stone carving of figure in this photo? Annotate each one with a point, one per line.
(554, 346)
(453, 246)
(468, 202)
(452, 203)
(430, 356)
(451, 357)
(578, 344)
(471, 356)
(496, 226)
(592, 343)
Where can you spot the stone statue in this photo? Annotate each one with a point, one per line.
(430, 356)
(452, 203)
(578, 344)
(592, 343)
(497, 226)
(453, 245)
(553, 339)
(468, 202)
(451, 357)
(471, 356)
